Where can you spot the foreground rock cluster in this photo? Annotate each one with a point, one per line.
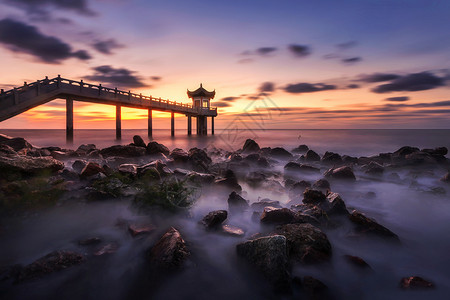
(292, 234)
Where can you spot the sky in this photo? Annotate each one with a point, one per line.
(273, 64)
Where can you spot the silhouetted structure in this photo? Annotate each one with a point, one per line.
(21, 99)
(201, 99)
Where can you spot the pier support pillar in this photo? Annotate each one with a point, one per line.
(189, 125)
(69, 120)
(150, 124)
(202, 125)
(172, 124)
(205, 125)
(212, 125)
(118, 122)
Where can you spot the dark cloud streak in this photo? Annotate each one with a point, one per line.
(119, 77)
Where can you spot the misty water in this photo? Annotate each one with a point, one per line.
(407, 206)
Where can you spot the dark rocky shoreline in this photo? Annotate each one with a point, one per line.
(156, 180)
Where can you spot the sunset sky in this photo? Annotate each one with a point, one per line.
(283, 64)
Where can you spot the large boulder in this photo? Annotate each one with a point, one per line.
(199, 159)
(405, 150)
(229, 181)
(343, 173)
(300, 149)
(139, 141)
(280, 153)
(236, 202)
(415, 282)
(321, 185)
(123, 151)
(52, 262)
(155, 148)
(250, 146)
(301, 168)
(436, 151)
(79, 165)
(170, 252)
(312, 156)
(367, 225)
(305, 243)
(17, 166)
(7, 150)
(261, 204)
(311, 196)
(269, 256)
(179, 156)
(331, 158)
(128, 169)
(85, 149)
(16, 143)
(214, 219)
(91, 169)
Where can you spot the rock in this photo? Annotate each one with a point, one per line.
(199, 159)
(344, 173)
(150, 173)
(334, 205)
(170, 252)
(155, 148)
(315, 288)
(311, 196)
(272, 215)
(138, 141)
(269, 256)
(415, 282)
(280, 153)
(255, 179)
(297, 189)
(136, 230)
(312, 156)
(374, 168)
(436, 151)
(331, 158)
(357, 261)
(446, 178)
(349, 159)
(128, 169)
(295, 167)
(85, 149)
(179, 156)
(95, 154)
(236, 202)
(305, 243)
(157, 165)
(250, 146)
(370, 226)
(406, 150)
(107, 249)
(259, 205)
(17, 166)
(230, 181)
(301, 149)
(214, 219)
(64, 154)
(89, 241)
(52, 262)
(16, 143)
(321, 185)
(232, 230)
(200, 178)
(123, 151)
(79, 165)
(91, 169)
(7, 150)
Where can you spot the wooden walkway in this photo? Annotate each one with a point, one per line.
(21, 99)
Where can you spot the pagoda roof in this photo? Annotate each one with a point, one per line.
(201, 92)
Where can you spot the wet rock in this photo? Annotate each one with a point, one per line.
(374, 168)
(259, 205)
(137, 230)
(334, 205)
(357, 261)
(263, 162)
(199, 159)
(214, 219)
(300, 149)
(295, 167)
(160, 167)
(230, 181)
(367, 225)
(344, 173)
(94, 154)
(415, 282)
(17, 166)
(150, 173)
(349, 159)
(315, 288)
(64, 154)
(79, 165)
(91, 169)
(250, 146)
(128, 169)
(321, 185)
(237, 203)
(297, 189)
(280, 153)
(269, 256)
(312, 156)
(406, 150)
(200, 178)
(232, 230)
(421, 157)
(123, 151)
(170, 252)
(90, 241)
(155, 148)
(305, 243)
(446, 178)
(278, 216)
(331, 158)
(436, 151)
(255, 179)
(179, 156)
(7, 150)
(52, 262)
(138, 141)
(311, 196)
(16, 143)
(110, 248)
(85, 149)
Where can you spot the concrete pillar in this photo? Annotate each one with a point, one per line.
(205, 126)
(69, 120)
(172, 124)
(189, 125)
(212, 125)
(198, 125)
(118, 122)
(150, 125)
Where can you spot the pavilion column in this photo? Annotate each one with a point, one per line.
(118, 122)
(189, 125)
(69, 120)
(198, 125)
(205, 125)
(172, 124)
(150, 125)
(212, 125)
